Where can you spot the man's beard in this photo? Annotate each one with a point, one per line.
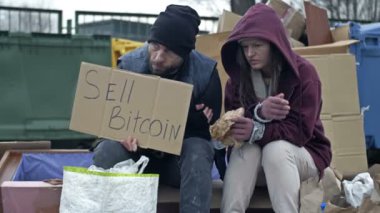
(163, 73)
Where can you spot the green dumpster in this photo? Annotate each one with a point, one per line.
(38, 76)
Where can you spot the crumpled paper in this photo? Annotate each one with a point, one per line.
(331, 182)
(220, 129)
(311, 195)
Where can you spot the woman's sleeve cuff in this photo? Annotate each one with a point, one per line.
(256, 114)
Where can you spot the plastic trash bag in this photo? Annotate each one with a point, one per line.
(120, 189)
(357, 189)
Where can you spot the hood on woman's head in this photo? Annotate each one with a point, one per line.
(260, 21)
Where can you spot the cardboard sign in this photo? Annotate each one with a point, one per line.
(115, 104)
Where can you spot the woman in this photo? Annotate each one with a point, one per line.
(281, 94)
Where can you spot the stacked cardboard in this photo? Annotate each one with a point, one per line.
(211, 44)
(340, 114)
(292, 19)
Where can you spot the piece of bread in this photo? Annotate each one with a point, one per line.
(220, 129)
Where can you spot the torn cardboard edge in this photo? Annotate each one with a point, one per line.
(115, 104)
(324, 49)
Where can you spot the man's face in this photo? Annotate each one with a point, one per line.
(162, 60)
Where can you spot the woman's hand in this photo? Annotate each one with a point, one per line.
(131, 144)
(274, 108)
(241, 130)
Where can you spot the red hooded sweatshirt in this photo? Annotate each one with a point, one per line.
(299, 82)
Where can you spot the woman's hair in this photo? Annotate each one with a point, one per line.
(246, 89)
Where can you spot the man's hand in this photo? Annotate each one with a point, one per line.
(130, 144)
(206, 111)
(275, 107)
(241, 130)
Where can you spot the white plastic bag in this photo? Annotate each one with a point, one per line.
(127, 166)
(87, 190)
(357, 189)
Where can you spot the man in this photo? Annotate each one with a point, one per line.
(169, 54)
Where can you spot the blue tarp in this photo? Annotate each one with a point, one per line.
(41, 166)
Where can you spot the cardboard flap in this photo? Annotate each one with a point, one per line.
(166, 127)
(115, 104)
(317, 25)
(227, 21)
(211, 44)
(333, 48)
(341, 33)
(292, 19)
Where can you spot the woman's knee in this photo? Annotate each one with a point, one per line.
(276, 153)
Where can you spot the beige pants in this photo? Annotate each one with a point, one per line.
(285, 166)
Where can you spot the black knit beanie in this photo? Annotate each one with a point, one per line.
(176, 28)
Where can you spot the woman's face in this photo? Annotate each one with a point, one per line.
(257, 52)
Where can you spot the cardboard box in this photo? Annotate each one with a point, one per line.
(227, 21)
(210, 45)
(9, 145)
(39, 196)
(115, 104)
(339, 83)
(293, 19)
(347, 142)
(30, 197)
(317, 25)
(341, 44)
(341, 33)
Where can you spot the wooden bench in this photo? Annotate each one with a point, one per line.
(168, 199)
